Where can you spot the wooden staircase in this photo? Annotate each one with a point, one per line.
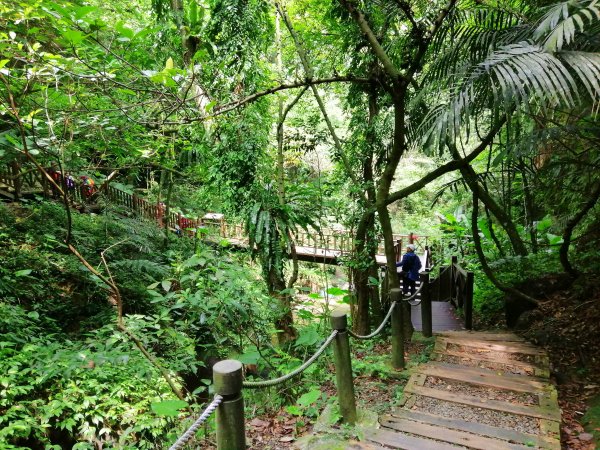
(487, 391)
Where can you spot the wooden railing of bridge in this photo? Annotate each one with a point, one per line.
(328, 243)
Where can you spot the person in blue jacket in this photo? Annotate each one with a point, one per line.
(411, 265)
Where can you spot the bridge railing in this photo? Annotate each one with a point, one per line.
(336, 242)
(455, 284)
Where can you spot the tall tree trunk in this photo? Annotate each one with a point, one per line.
(528, 206)
(366, 247)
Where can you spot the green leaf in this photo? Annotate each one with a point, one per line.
(373, 281)
(33, 315)
(169, 408)
(22, 273)
(166, 285)
(3, 62)
(128, 33)
(544, 224)
(293, 410)
(169, 64)
(309, 398)
(249, 357)
(307, 336)
(74, 37)
(336, 291)
(84, 11)
(554, 239)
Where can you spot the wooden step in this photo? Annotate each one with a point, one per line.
(457, 437)
(407, 442)
(493, 346)
(536, 369)
(484, 377)
(477, 428)
(483, 336)
(540, 412)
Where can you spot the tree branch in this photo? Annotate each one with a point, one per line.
(448, 167)
(484, 265)
(568, 233)
(379, 51)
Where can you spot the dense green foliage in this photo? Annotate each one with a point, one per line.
(472, 122)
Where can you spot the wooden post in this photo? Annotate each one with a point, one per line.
(468, 305)
(343, 367)
(397, 329)
(453, 265)
(426, 315)
(227, 379)
(398, 250)
(411, 238)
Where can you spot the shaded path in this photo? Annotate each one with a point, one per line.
(443, 316)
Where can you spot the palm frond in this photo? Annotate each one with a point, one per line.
(560, 24)
(587, 67)
(521, 75)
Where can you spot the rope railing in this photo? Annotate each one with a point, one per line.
(379, 328)
(412, 299)
(293, 373)
(185, 437)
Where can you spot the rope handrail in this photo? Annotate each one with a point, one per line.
(379, 328)
(185, 437)
(293, 373)
(414, 296)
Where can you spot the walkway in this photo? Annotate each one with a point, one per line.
(487, 391)
(443, 316)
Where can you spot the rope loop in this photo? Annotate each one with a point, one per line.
(412, 299)
(185, 437)
(379, 328)
(293, 373)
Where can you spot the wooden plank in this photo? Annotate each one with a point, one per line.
(7, 194)
(451, 436)
(483, 336)
(479, 357)
(483, 377)
(478, 428)
(404, 441)
(364, 446)
(512, 347)
(511, 408)
(550, 429)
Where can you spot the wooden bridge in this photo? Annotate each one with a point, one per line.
(326, 246)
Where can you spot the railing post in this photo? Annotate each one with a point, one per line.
(411, 238)
(453, 265)
(343, 367)
(397, 331)
(468, 305)
(227, 379)
(426, 315)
